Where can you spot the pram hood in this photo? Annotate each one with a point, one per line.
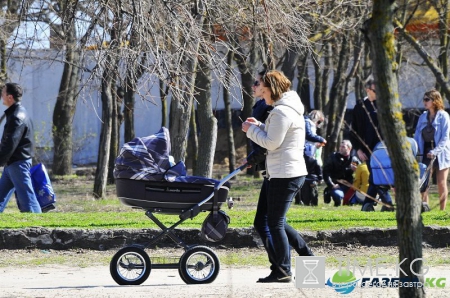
(145, 158)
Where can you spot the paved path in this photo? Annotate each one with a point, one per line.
(96, 282)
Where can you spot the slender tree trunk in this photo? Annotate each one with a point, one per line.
(64, 110)
(228, 116)
(3, 73)
(338, 99)
(163, 93)
(326, 72)
(248, 73)
(128, 106)
(110, 66)
(117, 119)
(206, 120)
(444, 21)
(101, 173)
(180, 114)
(290, 63)
(303, 83)
(380, 33)
(318, 82)
(193, 140)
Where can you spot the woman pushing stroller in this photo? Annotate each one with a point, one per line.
(283, 135)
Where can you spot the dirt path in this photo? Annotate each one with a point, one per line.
(52, 280)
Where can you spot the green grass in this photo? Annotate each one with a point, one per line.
(78, 209)
(301, 218)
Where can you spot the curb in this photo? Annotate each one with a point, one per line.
(63, 239)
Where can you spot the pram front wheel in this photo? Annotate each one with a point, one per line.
(199, 265)
(130, 266)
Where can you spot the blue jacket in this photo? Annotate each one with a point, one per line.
(441, 124)
(310, 132)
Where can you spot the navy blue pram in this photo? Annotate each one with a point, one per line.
(146, 179)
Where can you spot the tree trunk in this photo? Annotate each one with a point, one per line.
(290, 63)
(128, 106)
(115, 133)
(206, 120)
(248, 73)
(193, 140)
(3, 73)
(328, 66)
(228, 116)
(64, 110)
(338, 99)
(317, 82)
(180, 112)
(110, 66)
(303, 83)
(380, 33)
(444, 21)
(101, 172)
(163, 93)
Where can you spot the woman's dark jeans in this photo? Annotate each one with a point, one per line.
(275, 199)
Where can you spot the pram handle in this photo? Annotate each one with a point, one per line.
(221, 182)
(192, 212)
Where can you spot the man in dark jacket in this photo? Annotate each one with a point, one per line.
(340, 166)
(365, 135)
(16, 152)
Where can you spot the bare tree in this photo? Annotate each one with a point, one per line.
(380, 33)
(66, 100)
(228, 116)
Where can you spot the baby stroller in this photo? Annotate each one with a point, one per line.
(383, 174)
(146, 179)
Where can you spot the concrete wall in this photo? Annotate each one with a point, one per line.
(40, 74)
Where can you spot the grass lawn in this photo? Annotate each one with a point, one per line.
(76, 208)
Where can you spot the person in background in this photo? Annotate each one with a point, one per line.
(339, 166)
(365, 135)
(283, 135)
(309, 194)
(432, 137)
(314, 143)
(360, 182)
(16, 152)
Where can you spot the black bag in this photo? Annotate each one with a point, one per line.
(214, 228)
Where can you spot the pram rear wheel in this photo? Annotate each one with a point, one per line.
(130, 266)
(199, 265)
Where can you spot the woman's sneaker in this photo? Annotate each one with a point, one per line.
(273, 277)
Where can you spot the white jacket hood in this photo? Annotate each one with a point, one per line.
(292, 100)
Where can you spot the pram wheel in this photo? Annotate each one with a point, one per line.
(130, 266)
(199, 265)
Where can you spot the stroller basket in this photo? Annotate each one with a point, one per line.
(168, 197)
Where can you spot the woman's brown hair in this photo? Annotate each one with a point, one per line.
(277, 82)
(436, 97)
